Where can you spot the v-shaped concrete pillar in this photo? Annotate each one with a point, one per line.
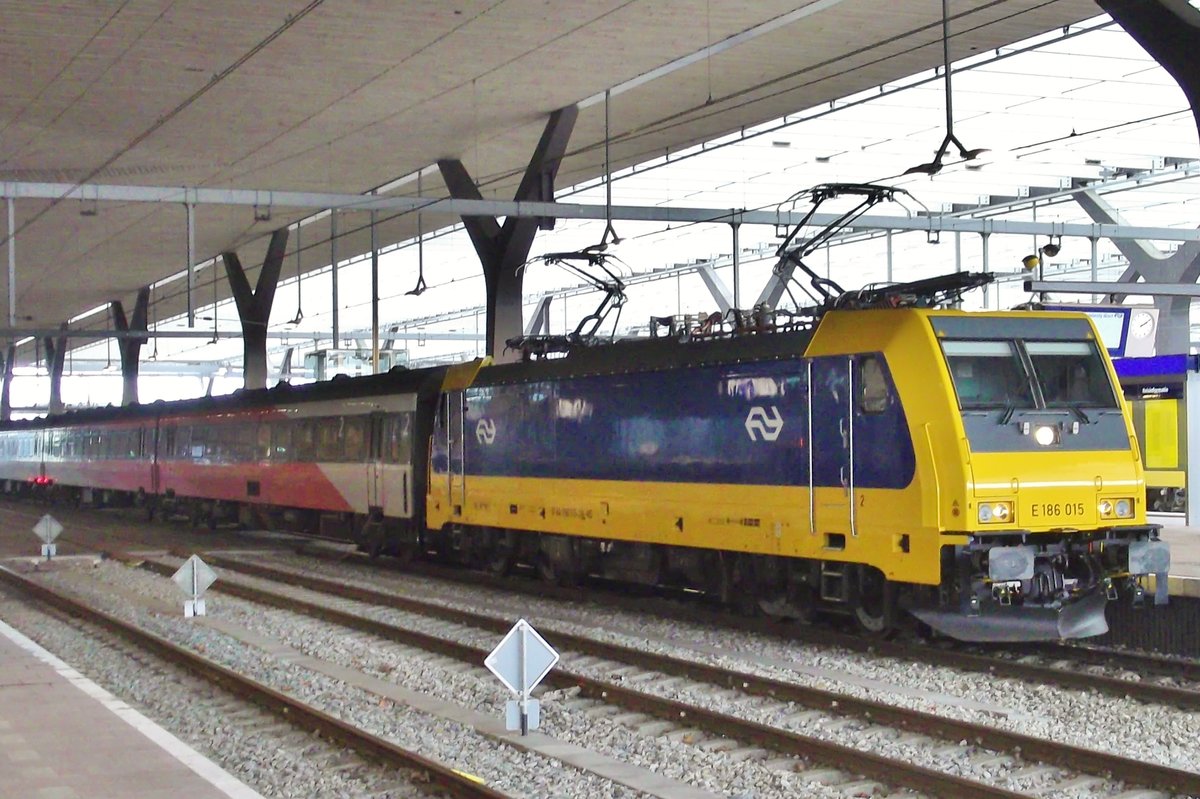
(1169, 30)
(56, 359)
(503, 249)
(6, 389)
(131, 347)
(254, 306)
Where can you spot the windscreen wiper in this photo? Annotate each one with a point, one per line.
(1079, 414)
(1009, 410)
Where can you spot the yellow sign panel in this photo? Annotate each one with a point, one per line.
(1162, 434)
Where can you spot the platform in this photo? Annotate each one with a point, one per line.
(64, 737)
(1185, 556)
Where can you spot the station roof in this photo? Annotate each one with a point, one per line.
(349, 96)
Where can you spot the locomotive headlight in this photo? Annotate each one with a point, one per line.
(1045, 435)
(995, 512)
(1107, 511)
(1123, 508)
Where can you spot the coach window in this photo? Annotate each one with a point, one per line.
(329, 439)
(401, 438)
(354, 434)
(872, 385)
(202, 437)
(281, 440)
(241, 438)
(183, 442)
(262, 452)
(302, 440)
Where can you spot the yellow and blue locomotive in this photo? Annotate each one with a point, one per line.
(876, 454)
(977, 470)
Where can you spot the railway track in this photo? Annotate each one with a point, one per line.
(1072, 666)
(649, 667)
(1064, 665)
(443, 781)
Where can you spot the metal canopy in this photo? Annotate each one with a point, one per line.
(342, 97)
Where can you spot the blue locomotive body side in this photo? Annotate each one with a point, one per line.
(739, 424)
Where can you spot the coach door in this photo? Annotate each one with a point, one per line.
(376, 463)
(456, 451)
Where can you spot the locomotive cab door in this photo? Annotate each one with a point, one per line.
(832, 495)
(456, 451)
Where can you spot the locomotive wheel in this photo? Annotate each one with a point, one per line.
(738, 589)
(875, 610)
(502, 555)
(552, 574)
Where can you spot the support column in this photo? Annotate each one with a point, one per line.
(503, 250)
(10, 359)
(1145, 260)
(191, 264)
(254, 306)
(737, 266)
(12, 265)
(56, 360)
(333, 272)
(131, 347)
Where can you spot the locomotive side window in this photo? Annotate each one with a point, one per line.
(1070, 373)
(988, 374)
(872, 385)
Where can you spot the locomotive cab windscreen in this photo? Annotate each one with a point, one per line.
(1032, 386)
(1027, 375)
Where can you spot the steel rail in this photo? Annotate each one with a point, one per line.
(1140, 662)
(291, 710)
(1072, 757)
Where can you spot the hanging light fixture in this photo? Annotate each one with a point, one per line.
(610, 234)
(419, 289)
(935, 166)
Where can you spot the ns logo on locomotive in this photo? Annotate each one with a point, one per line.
(878, 456)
